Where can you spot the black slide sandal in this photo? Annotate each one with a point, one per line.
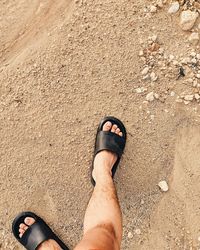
(106, 140)
(36, 234)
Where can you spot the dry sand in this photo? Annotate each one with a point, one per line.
(66, 64)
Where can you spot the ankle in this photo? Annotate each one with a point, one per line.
(101, 172)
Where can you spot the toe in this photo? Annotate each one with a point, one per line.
(120, 134)
(21, 231)
(23, 226)
(107, 126)
(117, 131)
(114, 127)
(29, 221)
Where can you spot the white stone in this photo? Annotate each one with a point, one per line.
(152, 117)
(130, 235)
(189, 97)
(198, 76)
(153, 9)
(154, 38)
(172, 93)
(173, 8)
(194, 38)
(163, 186)
(193, 54)
(193, 60)
(145, 70)
(156, 95)
(141, 53)
(197, 96)
(198, 56)
(153, 77)
(150, 97)
(171, 57)
(188, 19)
(137, 231)
(140, 90)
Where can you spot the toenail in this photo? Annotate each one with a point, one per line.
(27, 220)
(108, 124)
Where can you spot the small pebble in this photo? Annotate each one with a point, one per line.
(197, 96)
(194, 38)
(153, 77)
(189, 97)
(137, 231)
(145, 70)
(153, 9)
(198, 76)
(150, 97)
(188, 19)
(174, 7)
(130, 235)
(163, 186)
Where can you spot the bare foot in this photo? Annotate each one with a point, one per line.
(105, 159)
(47, 245)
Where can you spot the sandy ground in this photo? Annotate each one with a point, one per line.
(66, 64)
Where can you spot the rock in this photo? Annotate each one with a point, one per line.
(198, 76)
(172, 93)
(140, 90)
(194, 38)
(156, 95)
(150, 97)
(188, 19)
(197, 96)
(193, 60)
(141, 53)
(193, 54)
(153, 77)
(145, 70)
(188, 97)
(137, 231)
(130, 235)
(173, 8)
(153, 9)
(163, 186)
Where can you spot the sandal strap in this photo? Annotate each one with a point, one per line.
(36, 234)
(107, 140)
